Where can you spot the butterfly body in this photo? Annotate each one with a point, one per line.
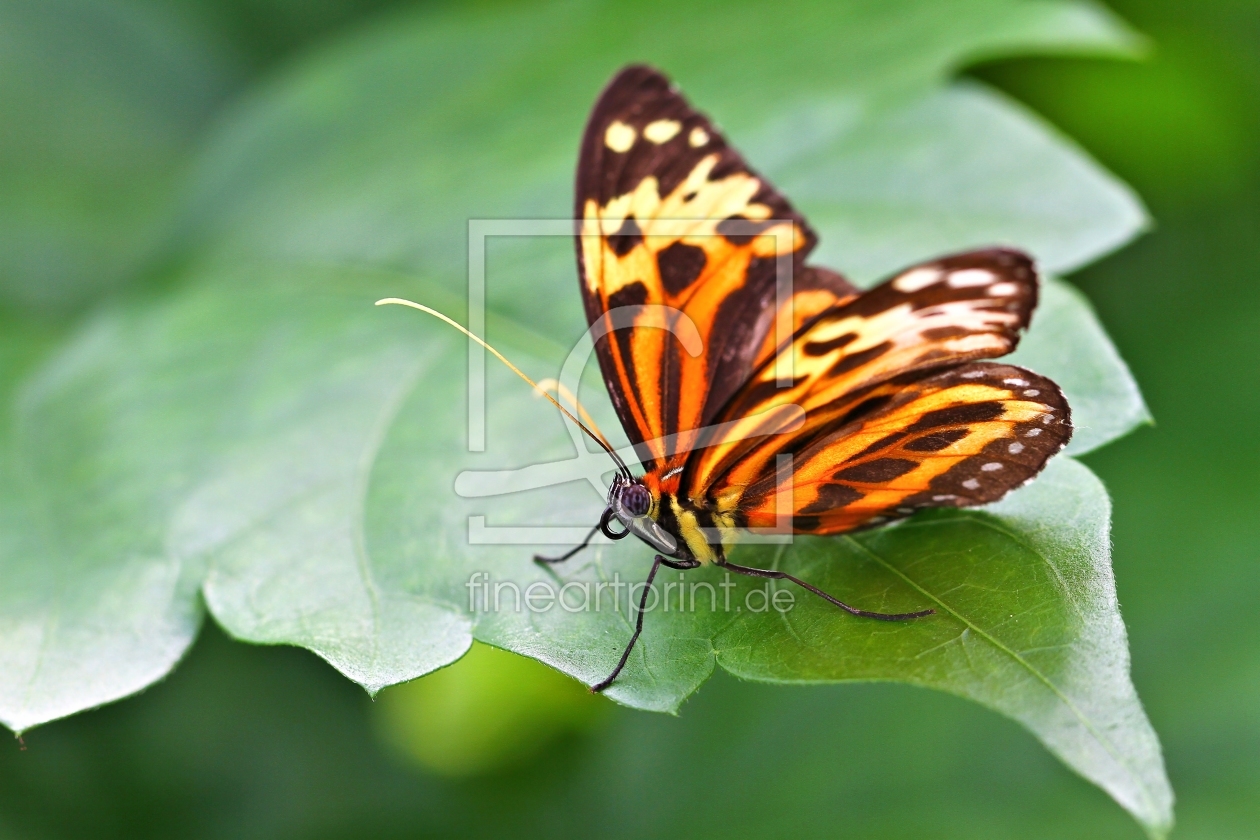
(703, 529)
(765, 394)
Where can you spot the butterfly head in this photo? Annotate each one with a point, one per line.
(635, 506)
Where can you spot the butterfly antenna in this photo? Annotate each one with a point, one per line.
(598, 438)
(554, 386)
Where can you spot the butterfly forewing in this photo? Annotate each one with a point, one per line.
(682, 248)
(680, 236)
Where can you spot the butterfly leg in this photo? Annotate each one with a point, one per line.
(777, 575)
(538, 558)
(681, 565)
(604, 527)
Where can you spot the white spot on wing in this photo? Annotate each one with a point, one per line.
(944, 497)
(992, 466)
(968, 343)
(1018, 383)
(1032, 432)
(916, 278)
(1031, 392)
(698, 137)
(619, 137)
(971, 277)
(662, 131)
(1003, 289)
(1016, 447)
(972, 374)
(971, 484)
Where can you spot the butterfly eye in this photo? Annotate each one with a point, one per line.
(636, 500)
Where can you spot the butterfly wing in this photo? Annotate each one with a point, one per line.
(677, 246)
(680, 249)
(952, 310)
(959, 437)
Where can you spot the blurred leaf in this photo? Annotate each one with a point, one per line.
(267, 30)
(489, 710)
(157, 410)
(1176, 123)
(24, 342)
(1067, 343)
(101, 102)
(267, 435)
(383, 148)
(959, 168)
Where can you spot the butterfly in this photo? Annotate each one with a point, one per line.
(806, 407)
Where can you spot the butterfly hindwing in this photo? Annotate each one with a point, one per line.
(676, 233)
(951, 310)
(959, 308)
(961, 437)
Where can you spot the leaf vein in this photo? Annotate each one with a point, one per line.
(1020, 660)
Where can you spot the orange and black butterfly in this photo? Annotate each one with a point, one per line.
(814, 408)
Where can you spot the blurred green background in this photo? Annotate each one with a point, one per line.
(247, 741)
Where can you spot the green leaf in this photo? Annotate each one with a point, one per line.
(101, 102)
(156, 411)
(1067, 343)
(265, 436)
(104, 101)
(959, 168)
(308, 366)
(1035, 580)
(394, 141)
(1027, 624)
